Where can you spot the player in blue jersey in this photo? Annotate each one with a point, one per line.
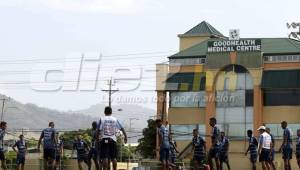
(224, 151)
(21, 151)
(199, 149)
(49, 145)
(252, 148)
(286, 147)
(94, 150)
(272, 156)
(215, 144)
(82, 149)
(59, 151)
(164, 143)
(3, 126)
(107, 129)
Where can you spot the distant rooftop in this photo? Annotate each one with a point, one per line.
(203, 29)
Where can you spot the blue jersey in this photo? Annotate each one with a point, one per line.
(81, 147)
(215, 133)
(48, 135)
(164, 133)
(224, 146)
(199, 144)
(2, 134)
(21, 145)
(287, 134)
(253, 146)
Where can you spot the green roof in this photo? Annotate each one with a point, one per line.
(269, 46)
(204, 28)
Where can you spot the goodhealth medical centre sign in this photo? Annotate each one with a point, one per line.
(234, 45)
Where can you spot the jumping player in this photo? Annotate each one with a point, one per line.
(59, 152)
(286, 147)
(3, 126)
(164, 143)
(93, 154)
(82, 152)
(22, 147)
(224, 151)
(252, 148)
(215, 144)
(107, 128)
(199, 148)
(49, 145)
(298, 148)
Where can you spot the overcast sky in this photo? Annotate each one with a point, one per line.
(130, 34)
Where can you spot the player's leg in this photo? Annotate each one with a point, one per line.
(80, 164)
(210, 157)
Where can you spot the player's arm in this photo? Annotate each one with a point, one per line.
(119, 126)
(247, 150)
(14, 147)
(204, 146)
(62, 149)
(260, 144)
(40, 140)
(73, 148)
(284, 141)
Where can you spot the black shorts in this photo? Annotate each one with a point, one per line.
(93, 153)
(287, 153)
(83, 158)
(223, 157)
(20, 159)
(57, 158)
(49, 153)
(2, 156)
(108, 149)
(253, 157)
(199, 158)
(214, 152)
(264, 155)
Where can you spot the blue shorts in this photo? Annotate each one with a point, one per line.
(93, 153)
(20, 159)
(214, 152)
(264, 155)
(164, 154)
(271, 158)
(287, 153)
(49, 153)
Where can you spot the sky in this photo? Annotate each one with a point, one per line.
(123, 39)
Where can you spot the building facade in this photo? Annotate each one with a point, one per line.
(244, 83)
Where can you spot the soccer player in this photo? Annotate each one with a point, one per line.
(107, 127)
(22, 147)
(93, 154)
(252, 148)
(3, 126)
(164, 143)
(286, 147)
(298, 148)
(199, 148)
(59, 152)
(272, 156)
(215, 144)
(224, 151)
(82, 149)
(264, 147)
(49, 145)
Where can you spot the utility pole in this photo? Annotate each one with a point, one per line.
(110, 91)
(3, 104)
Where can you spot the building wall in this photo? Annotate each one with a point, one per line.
(276, 114)
(188, 41)
(186, 116)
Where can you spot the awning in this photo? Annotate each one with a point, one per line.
(185, 82)
(281, 79)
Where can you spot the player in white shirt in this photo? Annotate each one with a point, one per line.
(264, 147)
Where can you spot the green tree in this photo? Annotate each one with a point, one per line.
(147, 144)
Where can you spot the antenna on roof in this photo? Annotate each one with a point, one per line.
(294, 35)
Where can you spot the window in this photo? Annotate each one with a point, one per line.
(185, 132)
(188, 61)
(282, 58)
(188, 99)
(283, 97)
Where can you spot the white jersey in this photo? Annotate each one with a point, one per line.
(265, 140)
(108, 126)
